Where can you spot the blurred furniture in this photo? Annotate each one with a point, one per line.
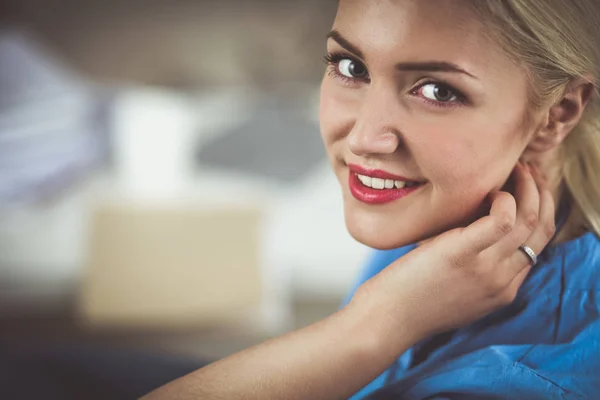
(167, 266)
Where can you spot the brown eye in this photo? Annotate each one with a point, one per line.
(438, 92)
(352, 69)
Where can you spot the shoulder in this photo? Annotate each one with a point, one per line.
(580, 260)
(532, 371)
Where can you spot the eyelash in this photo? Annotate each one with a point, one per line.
(333, 59)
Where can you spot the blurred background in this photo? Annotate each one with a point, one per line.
(163, 186)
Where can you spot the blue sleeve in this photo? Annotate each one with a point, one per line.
(534, 372)
(377, 261)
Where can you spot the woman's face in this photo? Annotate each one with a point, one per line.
(416, 91)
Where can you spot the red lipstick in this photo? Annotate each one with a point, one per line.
(370, 195)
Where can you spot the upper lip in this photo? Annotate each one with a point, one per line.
(378, 173)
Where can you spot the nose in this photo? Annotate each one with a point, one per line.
(376, 131)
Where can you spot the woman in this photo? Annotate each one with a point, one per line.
(456, 125)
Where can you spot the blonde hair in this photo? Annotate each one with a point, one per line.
(556, 41)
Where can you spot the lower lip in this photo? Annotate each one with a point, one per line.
(375, 196)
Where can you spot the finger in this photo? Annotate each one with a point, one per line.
(515, 284)
(541, 236)
(528, 208)
(538, 176)
(487, 231)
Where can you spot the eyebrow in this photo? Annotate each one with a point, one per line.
(430, 66)
(335, 35)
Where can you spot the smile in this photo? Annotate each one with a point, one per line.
(379, 187)
(380, 184)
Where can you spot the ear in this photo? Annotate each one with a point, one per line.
(563, 116)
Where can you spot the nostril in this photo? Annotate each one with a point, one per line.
(391, 138)
(373, 143)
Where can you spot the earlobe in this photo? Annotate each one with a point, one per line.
(563, 116)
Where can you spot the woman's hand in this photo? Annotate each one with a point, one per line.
(466, 273)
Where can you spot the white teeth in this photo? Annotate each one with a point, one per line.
(378, 183)
(366, 180)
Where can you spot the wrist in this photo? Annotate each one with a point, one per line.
(382, 326)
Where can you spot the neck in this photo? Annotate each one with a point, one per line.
(550, 165)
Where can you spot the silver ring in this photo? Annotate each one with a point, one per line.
(530, 253)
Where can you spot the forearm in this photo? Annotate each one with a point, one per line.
(331, 359)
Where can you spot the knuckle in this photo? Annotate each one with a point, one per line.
(458, 262)
(531, 220)
(549, 229)
(458, 258)
(504, 224)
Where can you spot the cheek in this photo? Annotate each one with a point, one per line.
(467, 162)
(336, 113)
(460, 183)
(449, 159)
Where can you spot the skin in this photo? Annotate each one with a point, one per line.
(465, 154)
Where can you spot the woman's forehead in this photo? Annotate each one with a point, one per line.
(417, 30)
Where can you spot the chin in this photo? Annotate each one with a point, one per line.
(376, 230)
(377, 242)
(382, 235)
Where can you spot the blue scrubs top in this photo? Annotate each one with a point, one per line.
(545, 345)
